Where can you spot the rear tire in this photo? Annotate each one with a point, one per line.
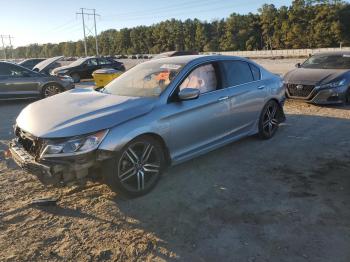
(347, 96)
(51, 89)
(269, 120)
(76, 77)
(136, 169)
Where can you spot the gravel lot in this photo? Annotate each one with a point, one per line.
(285, 199)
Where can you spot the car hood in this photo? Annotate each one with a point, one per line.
(312, 76)
(44, 64)
(80, 111)
(57, 69)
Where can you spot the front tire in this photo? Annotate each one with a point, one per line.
(347, 96)
(269, 120)
(51, 89)
(76, 77)
(137, 168)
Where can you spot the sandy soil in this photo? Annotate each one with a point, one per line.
(285, 199)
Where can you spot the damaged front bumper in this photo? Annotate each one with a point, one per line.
(60, 170)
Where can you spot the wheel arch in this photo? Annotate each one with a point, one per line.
(41, 88)
(347, 95)
(281, 115)
(160, 139)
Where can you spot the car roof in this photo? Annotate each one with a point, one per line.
(335, 53)
(9, 63)
(189, 58)
(29, 59)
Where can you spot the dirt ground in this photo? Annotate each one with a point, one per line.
(284, 199)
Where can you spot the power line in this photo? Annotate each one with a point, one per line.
(182, 5)
(69, 22)
(83, 14)
(207, 9)
(4, 45)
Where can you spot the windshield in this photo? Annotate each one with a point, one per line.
(328, 62)
(78, 62)
(144, 80)
(163, 55)
(47, 62)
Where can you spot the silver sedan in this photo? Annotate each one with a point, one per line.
(159, 113)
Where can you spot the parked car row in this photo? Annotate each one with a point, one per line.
(84, 67)
(19, 82)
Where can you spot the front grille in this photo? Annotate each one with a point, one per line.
(296, 90)
(30, 143)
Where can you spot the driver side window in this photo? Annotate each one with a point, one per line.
(16, 71)
(91, 62)
(202, 78)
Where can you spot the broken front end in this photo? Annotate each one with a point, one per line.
(58, 161)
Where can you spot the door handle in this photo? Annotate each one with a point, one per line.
(223, 98)
(261, 87)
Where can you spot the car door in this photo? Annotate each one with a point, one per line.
(16, 81)
(196, 124)
(246, 94)
(88, 67)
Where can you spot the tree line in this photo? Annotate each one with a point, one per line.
(303, 24)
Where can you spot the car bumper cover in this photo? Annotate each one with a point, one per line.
(54, 171)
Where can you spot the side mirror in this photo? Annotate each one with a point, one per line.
(26, 74)
(298, 65)
(188, 94)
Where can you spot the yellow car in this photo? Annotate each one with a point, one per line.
(105, 75)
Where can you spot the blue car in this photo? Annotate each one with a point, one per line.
(159, 113)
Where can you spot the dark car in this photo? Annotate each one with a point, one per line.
(30, 63)
(19, 82)
(84, 67)
(175, 53)
(46, 66)
(322, 79)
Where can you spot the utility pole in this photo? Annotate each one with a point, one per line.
(95, 32)
(83, 14)
(11, 46)
(3, 46)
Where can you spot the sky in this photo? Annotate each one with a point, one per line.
(45, 21)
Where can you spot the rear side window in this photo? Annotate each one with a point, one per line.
(4, 70)
(236, 73)
(92, 62)
(255, 72)
(104, 61)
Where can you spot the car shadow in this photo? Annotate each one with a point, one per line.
(253, 197)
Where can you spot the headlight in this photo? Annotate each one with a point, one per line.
(74, 146)
(62, 72)
(65, 78)
(334, 84)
